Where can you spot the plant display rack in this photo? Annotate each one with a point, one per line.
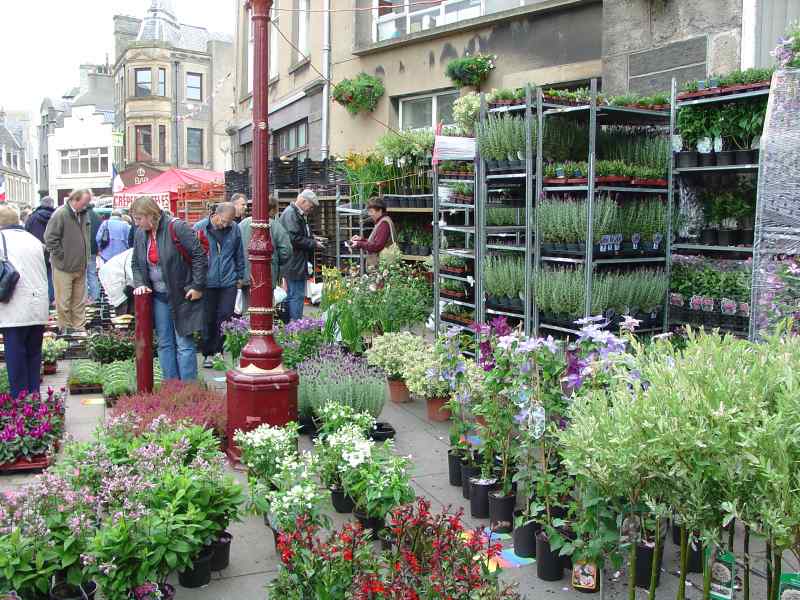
(527, 183)
(699, 176)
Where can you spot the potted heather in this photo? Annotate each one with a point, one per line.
(52, 350)
(390, 353)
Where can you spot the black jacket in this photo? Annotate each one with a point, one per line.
(95, 221)
(179, 276)
(37, 222)
(303, 243)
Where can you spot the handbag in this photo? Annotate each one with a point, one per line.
(9, 277)
(105, 238)
(390, 254)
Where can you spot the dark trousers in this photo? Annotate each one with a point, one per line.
(219, 305)
(23, 347)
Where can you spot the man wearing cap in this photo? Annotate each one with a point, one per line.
(295, 220)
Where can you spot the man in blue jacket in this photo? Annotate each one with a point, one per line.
(112, 237)
(223, 241)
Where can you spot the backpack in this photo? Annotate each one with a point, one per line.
(187, 258)
(105, 237)
(9, 277)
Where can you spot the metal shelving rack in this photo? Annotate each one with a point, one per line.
(596, 115)
(677, 173)
(490, 183)
(472, 214)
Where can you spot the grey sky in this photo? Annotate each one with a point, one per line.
(42, 42)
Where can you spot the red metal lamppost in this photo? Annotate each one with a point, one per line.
(260, 390)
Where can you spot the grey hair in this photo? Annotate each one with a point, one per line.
(116, 213)
(47, 202)
(310, 196)
(224, 208)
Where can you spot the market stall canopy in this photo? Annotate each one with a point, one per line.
(165, 186)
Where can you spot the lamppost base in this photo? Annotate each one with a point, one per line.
(257, 397)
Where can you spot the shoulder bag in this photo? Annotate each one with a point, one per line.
(8, 275)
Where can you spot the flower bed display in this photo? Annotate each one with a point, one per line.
(30, 429)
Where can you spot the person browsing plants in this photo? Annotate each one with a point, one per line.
(296, 271)
(169, 263)
(382, 237)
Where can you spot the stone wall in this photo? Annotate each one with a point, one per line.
(648, 42)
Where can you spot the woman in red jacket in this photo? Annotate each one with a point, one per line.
(382, 234)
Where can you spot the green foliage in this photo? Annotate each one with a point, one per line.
(390, 352)
(499, 216)
(53, 349)
(504, 275)
(4, 384)
(360, 94)
(379, 483)
(470, 70)
(502, 137)
(85, 372)
(108, 347)
(712, 279)
(119, 378)
(466, 112)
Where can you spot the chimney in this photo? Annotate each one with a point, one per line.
(85, 70)
(2, 116)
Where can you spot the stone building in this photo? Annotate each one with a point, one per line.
(15, 179)
(629, 45)
(173, 93)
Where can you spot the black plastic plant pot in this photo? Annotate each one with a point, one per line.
(727, 237)
(479, 497)
(548, 563)
(728, 157)
(65, 591)
(382, 431)
(221, 549)
(454, 457)
(200, 573)
(525, 540)
(709, 236)
(307, 426)
(686, 159)
(694, 563)
(501, 512)
(753, 156)
(467, 473)
(644, 565)
(746, 236)
(708, 159)
(342, 502)
(742, 157)
(374, 524)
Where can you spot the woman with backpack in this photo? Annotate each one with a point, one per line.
(169, 263)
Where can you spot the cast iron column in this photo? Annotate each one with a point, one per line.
(260, 390)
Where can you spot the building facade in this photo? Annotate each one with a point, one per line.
(628, 45)
(15, 179)
(173, 93)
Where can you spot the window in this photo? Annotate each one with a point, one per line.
(162, 82)
(143, 82)
(194, 146)
(300, 30)
(194, 87)
(292, 141)
(144, 143)
(396, 18)
(162, 143)
(427, 111)
(82, 161)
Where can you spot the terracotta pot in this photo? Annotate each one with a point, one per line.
(398, 391)
(437, 411)
(50, 368)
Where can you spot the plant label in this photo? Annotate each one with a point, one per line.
(723, 574)
(635, 239)
(677, 143)
(717, 144)
(728, 306)
(618, 241)
(676, 299)
(605, 242)
(538, 421)
(696, 302)
(584, 576)
(708, 304)
(744, 308)
(789, 586)
(560, 172)
(657, 239)
(704, 145)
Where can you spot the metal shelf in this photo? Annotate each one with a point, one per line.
(458, 228)
(497, 176)
(604, 261)
(457, 325)
(454, 180)
(502, 247)
(715, 169)
(449, 206)
(507, 108)
(493, 311)
(463, 278)
(449, 300)
(460, 253)
(398, 209)
(706, 248)
(606, 188)
(412, 257)
(558, 328)
(724, 98)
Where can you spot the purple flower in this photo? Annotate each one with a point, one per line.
(629, 323)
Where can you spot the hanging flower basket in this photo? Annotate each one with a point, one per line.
(360, 94)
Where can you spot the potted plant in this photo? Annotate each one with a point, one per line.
(85, 377)
(264, 449)
(470, 71)
(389, 353)
(377, 483)
(30, 428)
(52, 350)
(424, 377)
(237, 334)
(360, 94)
(333, 452)
(111, 346)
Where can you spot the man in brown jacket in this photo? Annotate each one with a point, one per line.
(67, 238)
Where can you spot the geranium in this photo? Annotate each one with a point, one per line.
(265, 448)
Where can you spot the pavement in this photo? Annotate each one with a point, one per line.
(254, 561)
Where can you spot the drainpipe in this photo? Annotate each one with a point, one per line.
(326, 75)
(175, 87)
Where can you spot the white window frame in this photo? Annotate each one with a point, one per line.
(303, 25)
(434, 96)
(410, 11)
(251, 52)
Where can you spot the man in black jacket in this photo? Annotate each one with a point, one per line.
(92, 281)
(295, 220)
(36, 225)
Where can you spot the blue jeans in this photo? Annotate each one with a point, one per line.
(295, 298)
(177, 354)
(51, 293)
(92, 281)
(23, 358)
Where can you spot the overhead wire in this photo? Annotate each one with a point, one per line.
(428, 3)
